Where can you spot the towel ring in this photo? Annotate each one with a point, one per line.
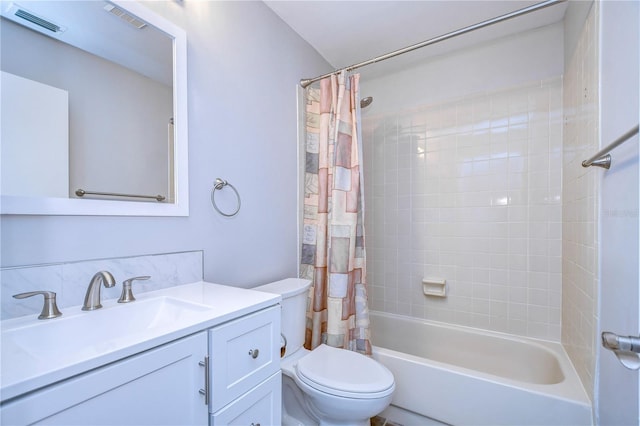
(219, 184)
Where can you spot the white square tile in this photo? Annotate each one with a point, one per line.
(472, 191)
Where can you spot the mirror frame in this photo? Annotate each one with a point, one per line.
(14, 205)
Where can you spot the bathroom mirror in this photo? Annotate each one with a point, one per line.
(103, 87)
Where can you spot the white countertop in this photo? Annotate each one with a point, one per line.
(51, 359)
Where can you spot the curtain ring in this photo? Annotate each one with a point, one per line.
(218, 185)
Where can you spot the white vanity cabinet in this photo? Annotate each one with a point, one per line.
(157, 387)
(213, 361)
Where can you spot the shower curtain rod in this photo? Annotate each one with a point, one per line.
(514, 14)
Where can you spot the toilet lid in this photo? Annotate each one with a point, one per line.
(344, 373)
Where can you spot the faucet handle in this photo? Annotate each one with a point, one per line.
(49, 309)
(127, 293)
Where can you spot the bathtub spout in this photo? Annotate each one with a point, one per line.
(626, 349)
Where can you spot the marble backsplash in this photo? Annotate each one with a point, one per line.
(70, 280)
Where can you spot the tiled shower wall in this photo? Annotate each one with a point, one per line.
(469, 190)
(580, 210)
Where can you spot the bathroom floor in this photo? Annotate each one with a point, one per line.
(381, 421)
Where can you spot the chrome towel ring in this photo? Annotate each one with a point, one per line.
(218, 185)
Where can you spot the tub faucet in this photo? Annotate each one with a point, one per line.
(92, 298)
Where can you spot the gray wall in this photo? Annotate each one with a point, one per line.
(617, 393)
(244, 64)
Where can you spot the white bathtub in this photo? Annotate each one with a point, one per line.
(464, 376)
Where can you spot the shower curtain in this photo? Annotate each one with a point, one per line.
(333, 252)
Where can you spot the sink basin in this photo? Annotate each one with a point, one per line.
(82, 334)
(37, 353)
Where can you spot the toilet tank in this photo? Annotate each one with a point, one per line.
(294, 308)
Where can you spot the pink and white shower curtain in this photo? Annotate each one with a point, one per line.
(333, 252)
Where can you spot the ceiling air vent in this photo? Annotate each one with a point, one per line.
(41, 22)
(130, 19)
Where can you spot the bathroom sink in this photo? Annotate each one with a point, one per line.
(82, 334)
(37, 353)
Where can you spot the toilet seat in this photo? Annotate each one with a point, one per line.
(344, 373)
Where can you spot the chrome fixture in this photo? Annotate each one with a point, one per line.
(218, 185)
(206, 391)
(127, 294)
(365, 102)
(49, 309)
(92, 298)
(602, 157)
(620, 343)
(452, 34)
(626, 348)
(283, 345)
(82, 193)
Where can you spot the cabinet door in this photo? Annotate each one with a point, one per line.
(157, 387)
(243, 353)
(260, 407)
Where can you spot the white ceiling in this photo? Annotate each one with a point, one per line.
(89, 27)
(344, 32)
(348, 32)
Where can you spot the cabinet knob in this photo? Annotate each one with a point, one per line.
(255, 424)
(254, 353)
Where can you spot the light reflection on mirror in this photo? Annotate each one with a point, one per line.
(110, 80)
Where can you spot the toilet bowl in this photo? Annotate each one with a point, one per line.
(325, 386)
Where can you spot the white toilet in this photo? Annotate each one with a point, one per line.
(326, 386)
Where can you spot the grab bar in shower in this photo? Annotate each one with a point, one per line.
(602, 157)
(82, 193)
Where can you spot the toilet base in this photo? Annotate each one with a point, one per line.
(296, 411)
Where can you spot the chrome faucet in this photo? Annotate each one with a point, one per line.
(92, 298)
(127, 293)
(49, 309)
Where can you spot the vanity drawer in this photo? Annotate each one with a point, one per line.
(261, 406)
(242, 354)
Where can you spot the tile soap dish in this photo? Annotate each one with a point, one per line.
(436, 287)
